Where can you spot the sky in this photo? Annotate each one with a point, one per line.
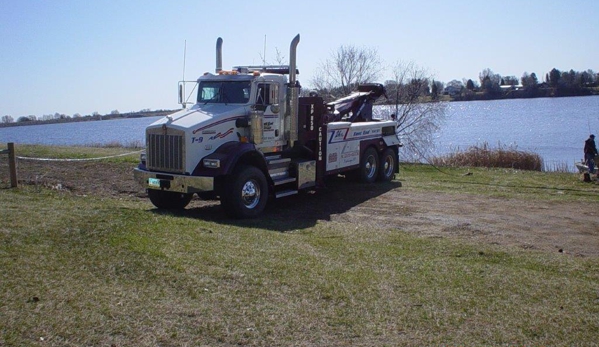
(72, 56)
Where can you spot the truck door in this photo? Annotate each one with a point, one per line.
(267, 99)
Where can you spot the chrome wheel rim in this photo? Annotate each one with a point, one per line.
(250, 194)
(388, 166)
(370, 166)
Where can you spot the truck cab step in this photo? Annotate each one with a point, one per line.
(284, 180)
(278, 161)
(278, 169)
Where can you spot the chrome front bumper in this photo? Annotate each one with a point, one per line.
(173, 182)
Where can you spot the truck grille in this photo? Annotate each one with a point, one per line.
(165, 152)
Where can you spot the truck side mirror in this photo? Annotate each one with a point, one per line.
(181, 94)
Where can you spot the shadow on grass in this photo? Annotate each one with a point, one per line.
(299, 211)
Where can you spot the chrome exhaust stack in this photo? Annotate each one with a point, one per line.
(293, 90)
(293, 59)
(219, 55)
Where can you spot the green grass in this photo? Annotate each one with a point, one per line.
(497, 182)
(85, 271)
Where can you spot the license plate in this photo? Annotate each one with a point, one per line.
(154, 182)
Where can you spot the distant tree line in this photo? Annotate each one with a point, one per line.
(555, 83)
(8, 120)
(333, 82)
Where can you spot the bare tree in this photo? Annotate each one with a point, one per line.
(509, 80)
(280, 58)
(346, 68)
(489, 81)
(488, 74)
(529, 81)
(418, 115)
(7, 119)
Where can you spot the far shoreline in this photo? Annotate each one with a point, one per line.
(162, 113)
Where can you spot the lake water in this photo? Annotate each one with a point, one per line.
(124, 131)
(555, 128)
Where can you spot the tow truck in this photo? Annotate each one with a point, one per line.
(250, 136)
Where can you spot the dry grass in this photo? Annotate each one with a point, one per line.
(116, 144)
(484, 156)
(558, 167)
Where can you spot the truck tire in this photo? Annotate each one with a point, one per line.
(169, 200)
(387, 164)
(245, 193)
(369, 166)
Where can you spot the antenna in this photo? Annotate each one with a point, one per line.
(184, 55)
(182, 99)
(264, 56)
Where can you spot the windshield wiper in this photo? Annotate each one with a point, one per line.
(212, 99)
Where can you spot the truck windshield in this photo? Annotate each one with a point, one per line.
(224, 92)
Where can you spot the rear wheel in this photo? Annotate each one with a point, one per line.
(245, 193)
(169, 200)
(387, 165)
(369, 166)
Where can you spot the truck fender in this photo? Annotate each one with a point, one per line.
(392, 140)
(376, 143)
(230, 154)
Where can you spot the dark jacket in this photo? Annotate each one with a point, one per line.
(590, 147)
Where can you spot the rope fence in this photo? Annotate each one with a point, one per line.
(81, 159)
(12, 160)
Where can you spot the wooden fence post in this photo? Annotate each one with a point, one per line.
(12, 165)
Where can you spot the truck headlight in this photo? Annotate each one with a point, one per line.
(211, 163)
(142, 157)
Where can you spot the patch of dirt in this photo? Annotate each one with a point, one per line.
(571, 228)
(558, 227)
(85, 178)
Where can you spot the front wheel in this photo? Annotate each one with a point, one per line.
(387, 165)
(169, 200)
(369, 166)
(246, 193)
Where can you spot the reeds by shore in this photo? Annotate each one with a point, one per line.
(485, 156)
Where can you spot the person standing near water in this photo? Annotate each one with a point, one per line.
(590, 151)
